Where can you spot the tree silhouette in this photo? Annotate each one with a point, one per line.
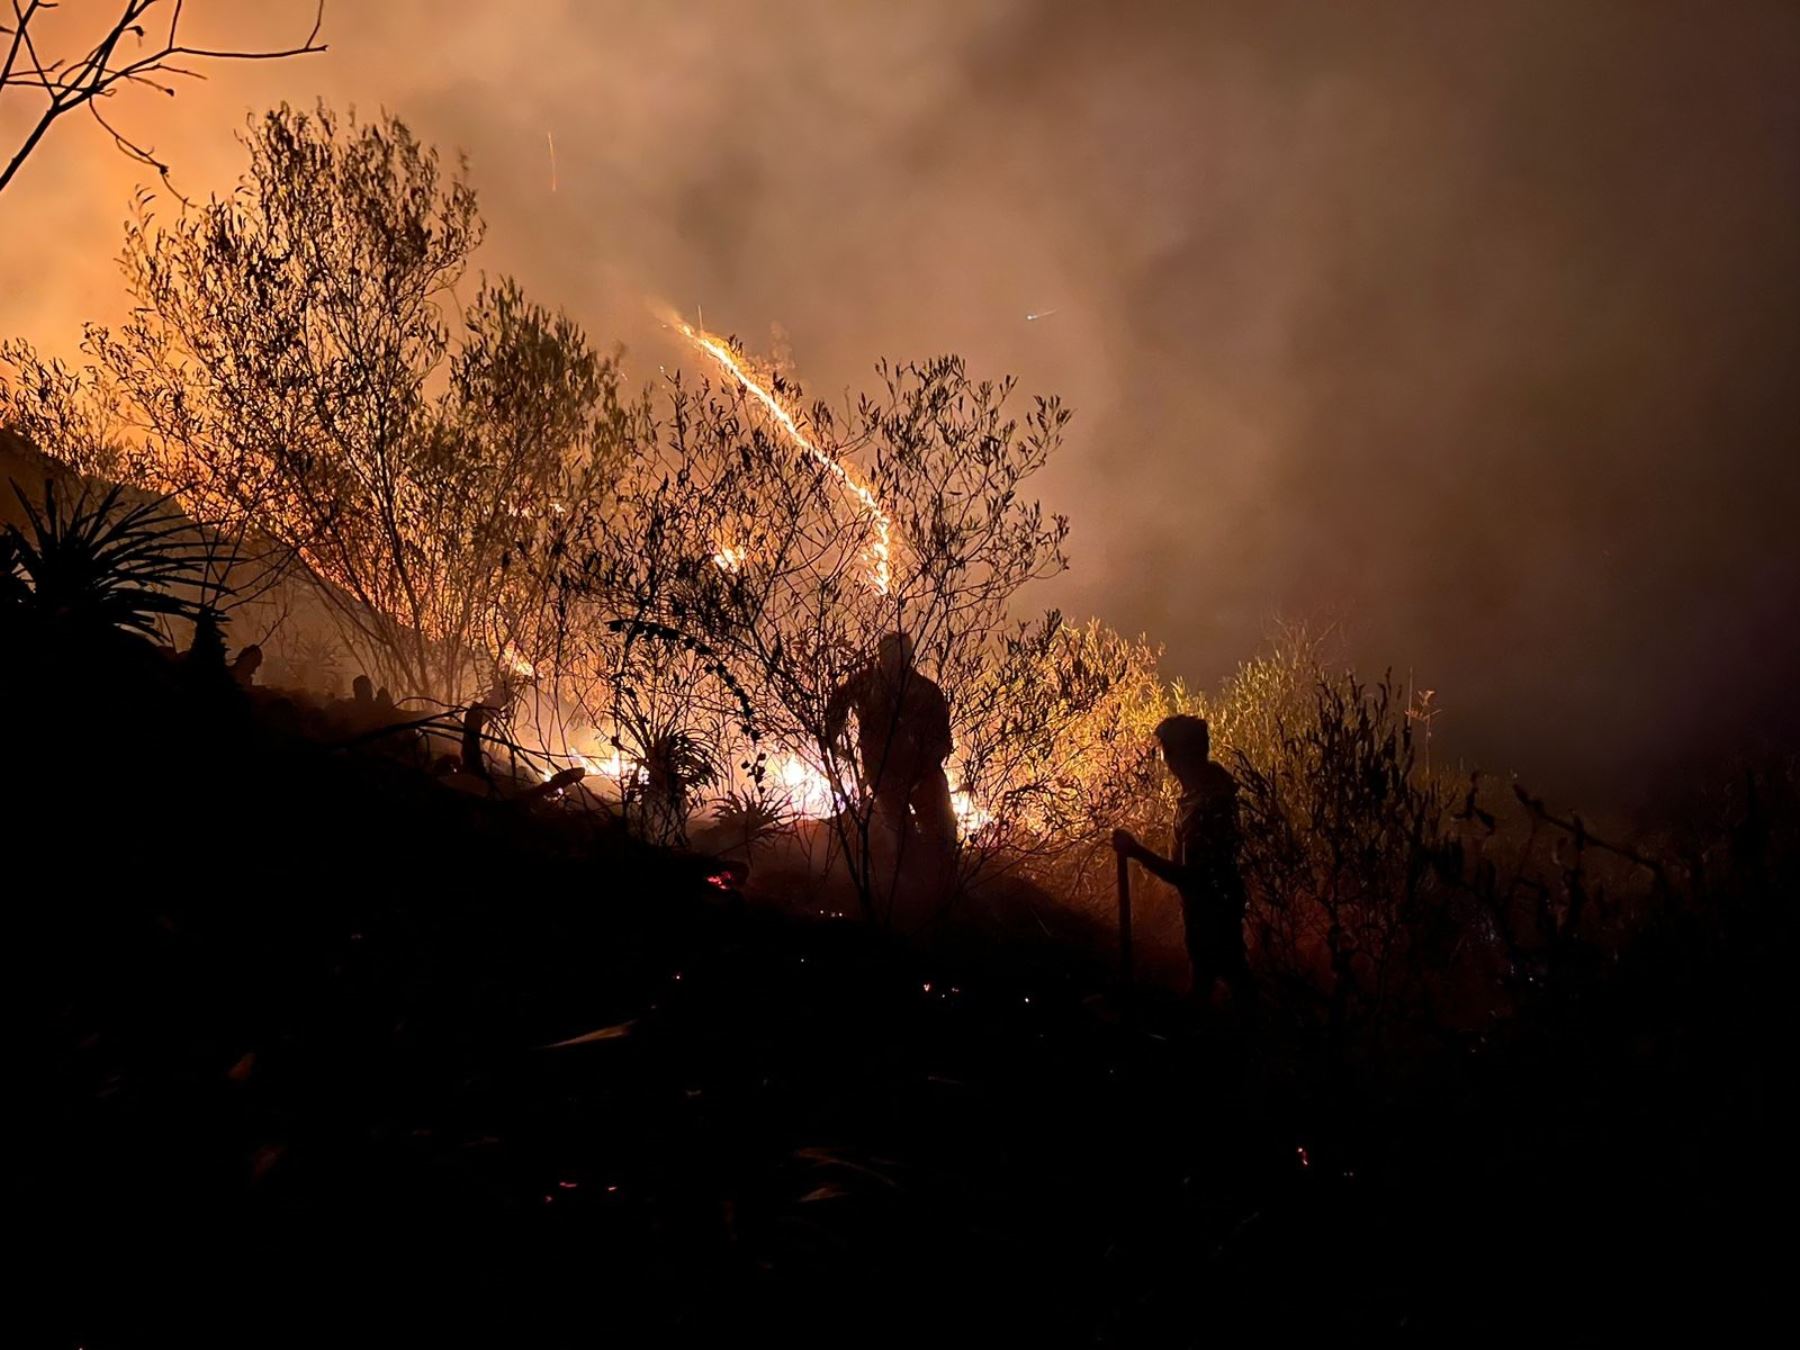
(297, 365)
(77, 72)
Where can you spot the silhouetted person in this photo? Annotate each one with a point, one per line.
(903, 733)
(246, 664)
(475, 720)
(206, 649)
(362, 690)
(1204, 867)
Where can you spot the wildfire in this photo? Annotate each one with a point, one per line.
(971, 819)
(880, 553)
(613, 766)
(807, 791)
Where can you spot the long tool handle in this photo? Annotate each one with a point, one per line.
(1124, 919)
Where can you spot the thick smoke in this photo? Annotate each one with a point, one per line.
(1471, 325)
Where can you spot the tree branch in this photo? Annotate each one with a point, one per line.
(69, 87)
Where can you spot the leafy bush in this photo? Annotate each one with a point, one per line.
(1342, 836)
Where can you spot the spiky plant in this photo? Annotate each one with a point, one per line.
(13, 590)
(750, 818)
(98, 564)
(674, 762)
(677, 762)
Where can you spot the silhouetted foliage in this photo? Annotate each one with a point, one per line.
(112, 54)
(288, 371)
(1341, 836)
(726, 536)
(97, 563)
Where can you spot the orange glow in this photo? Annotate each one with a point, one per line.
(807, 791)
(879, 554)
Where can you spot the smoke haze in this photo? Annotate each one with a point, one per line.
(1473, 326)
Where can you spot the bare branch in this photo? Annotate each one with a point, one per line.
(69, 86)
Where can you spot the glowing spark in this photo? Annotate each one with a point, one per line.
(1041, 314)
(551, 142)
(879, 555)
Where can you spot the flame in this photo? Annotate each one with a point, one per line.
(806, 790)
(514, 660)
(613, 766)
(808, 793)
(880, 552)
(971, 819)
(729, 559)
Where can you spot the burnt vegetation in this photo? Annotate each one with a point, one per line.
(554, 966)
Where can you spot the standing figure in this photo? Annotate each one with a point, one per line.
(903, 734)
(248, 662)
(475, 721)
(1204, 865)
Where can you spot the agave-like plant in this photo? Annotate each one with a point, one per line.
(673, 764)
(13, 588)
(751, 818)
(96, 563)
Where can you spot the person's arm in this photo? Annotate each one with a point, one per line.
(837, 711)
(1166, 869)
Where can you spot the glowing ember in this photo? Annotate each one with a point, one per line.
(879, 554)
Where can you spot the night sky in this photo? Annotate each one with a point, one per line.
(1471, 327)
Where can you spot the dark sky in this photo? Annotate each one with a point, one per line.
(1473, 326)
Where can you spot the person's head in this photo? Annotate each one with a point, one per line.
(1186, 745)
(895, 653)
(363, 688)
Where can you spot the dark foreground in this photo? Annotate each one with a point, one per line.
(279, 1075)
